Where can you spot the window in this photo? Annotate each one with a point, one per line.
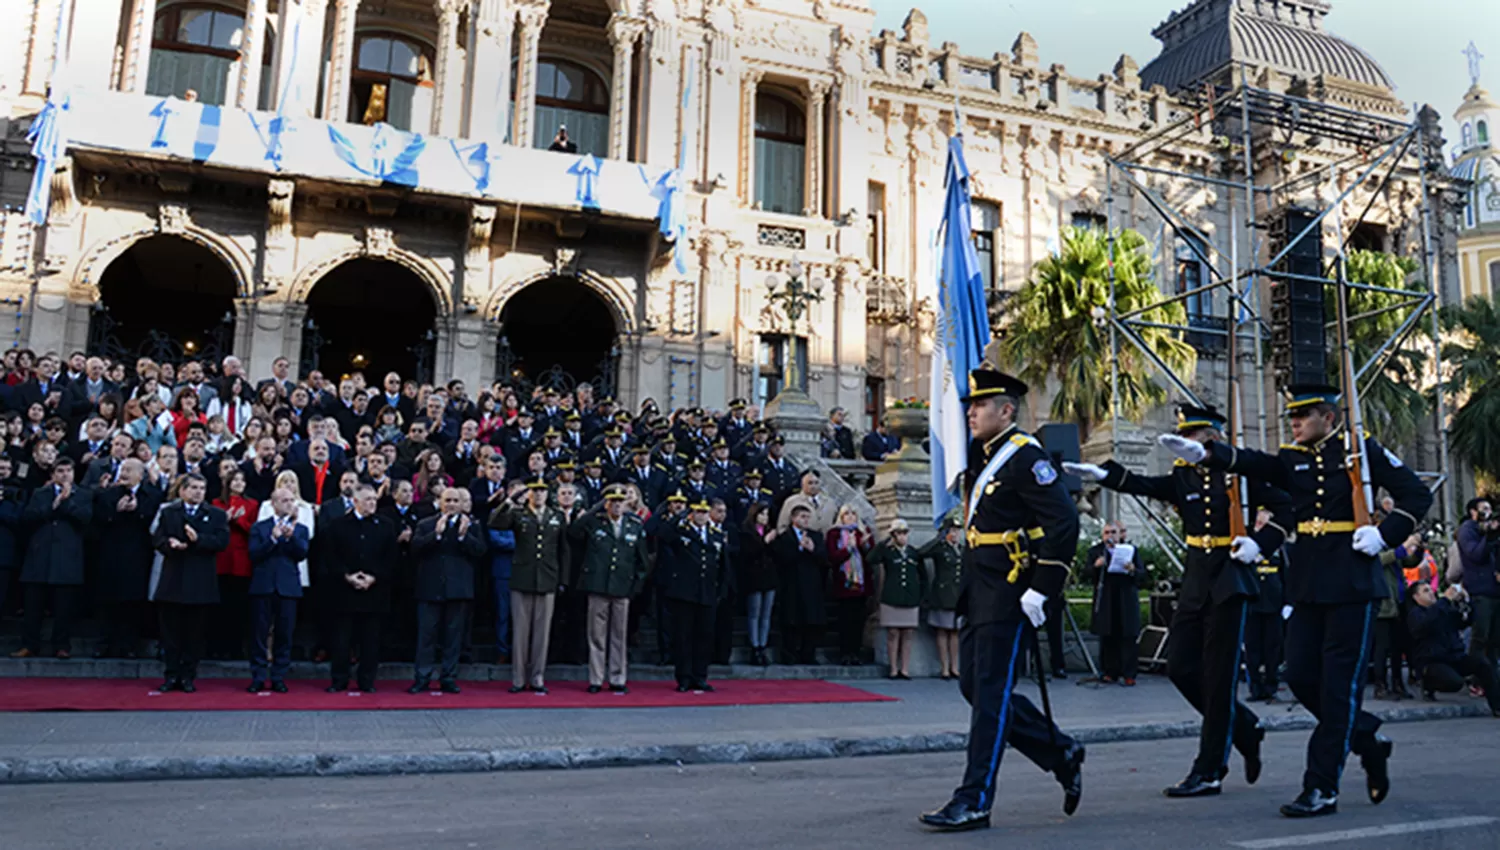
(874, 401)
(780, 154)
(771, 366)
(985, 220)
(1367, 237)
(1495, 280)
(572, 96)
(875, 243)
(1089, 220)
(1484, 133)
(1192, 273)
(1468, 135)
(193, 49)
(391, 82)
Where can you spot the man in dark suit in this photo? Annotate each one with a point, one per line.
(878, 443)
(462, 459)
(391, 396)
(261, 470)
(447, 548)
(41, 387)
(650, 481)
(94, 445)
(318, 476)
(81, 397)
(106, 467)
(57, 515)
(190, 534)
(518, 440)
(123, 512)
(404, 514)
(360, 569)
(277, 544)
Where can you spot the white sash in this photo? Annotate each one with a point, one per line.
(1012, 445)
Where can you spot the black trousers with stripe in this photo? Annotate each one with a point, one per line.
(1203, 661)
(1327, 652)
(990, 658)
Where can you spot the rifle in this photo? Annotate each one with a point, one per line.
(1236, 483)
(1354, 443)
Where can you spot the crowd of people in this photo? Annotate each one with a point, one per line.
(215, 511)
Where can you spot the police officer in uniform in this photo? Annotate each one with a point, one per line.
(1007, 578)
(1333, 580)
(1203, 652)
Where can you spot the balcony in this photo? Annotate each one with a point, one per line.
(888, 300)
(174, 130)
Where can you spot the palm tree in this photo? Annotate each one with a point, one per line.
(1392, 401)
(1053, 328)
(1471, 355)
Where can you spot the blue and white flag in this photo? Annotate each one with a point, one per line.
(963, 331)
(48, 143)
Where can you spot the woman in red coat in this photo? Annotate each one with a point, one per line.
(185, 411)
(849, 584)
(227, 635)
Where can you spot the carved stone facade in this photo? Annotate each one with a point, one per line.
(680, 85)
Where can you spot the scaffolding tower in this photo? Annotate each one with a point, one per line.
(1283, 126)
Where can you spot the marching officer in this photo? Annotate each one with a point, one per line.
(1333, 580)
(1007, 578)
(1218, 582)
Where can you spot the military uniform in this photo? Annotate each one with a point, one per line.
(1013, 487)
(696, 578)
(1203, 649)
(536, 572)
(1333, 589)
(614, 567)
(1263, 630)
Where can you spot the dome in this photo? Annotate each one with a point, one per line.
(1285, 35)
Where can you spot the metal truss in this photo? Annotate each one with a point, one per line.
(1377, 147)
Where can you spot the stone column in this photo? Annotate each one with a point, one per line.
(623, 31)
(446, 106)
(817, 93)
(533, 17)
(488, 84)
(252, 49)
(299, 56)
(138, 46)
(340, 60)
(662, 92)
(752, 80)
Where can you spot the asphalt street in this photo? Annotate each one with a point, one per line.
(1443, 796)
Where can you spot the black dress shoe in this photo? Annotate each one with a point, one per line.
(539, 690)
(516, 689)
(256, 687)
(704, 687)
(1195, 785)
(620, 689)
(1311, 804)
(336, 688)
(594, 689)
(1070, 777)
(187, 686)
(1252, 755)
(1377, 769)
(683, 688)
(419, 686)
(957, 816)
(279, 687)
(365, 690)
(449, 687)
(168, 685)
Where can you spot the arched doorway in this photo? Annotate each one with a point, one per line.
(167, 298)
(373, 316)
(558, 332)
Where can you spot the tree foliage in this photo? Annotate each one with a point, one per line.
(1392, 403)
(1052, 329)
(1471, 355)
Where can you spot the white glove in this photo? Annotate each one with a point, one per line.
(1086, 471)
(1286, 612)
(1191, 451)
(1031, 605)
(1367, 539)
(1245, 550)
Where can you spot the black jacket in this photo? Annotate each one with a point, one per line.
(125, 537)
(1434, 632)
(350, 545)
(1114, 593)
(190, 576)
(54, 554)
(801, 576)
(445, 560)
(699, 570)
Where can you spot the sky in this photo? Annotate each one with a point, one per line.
(1422, 52)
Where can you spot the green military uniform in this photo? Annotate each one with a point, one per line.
(614, 569)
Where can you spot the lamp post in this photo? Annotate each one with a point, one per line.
(794, 297)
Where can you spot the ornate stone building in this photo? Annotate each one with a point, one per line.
(789, 127)
(1477, 162)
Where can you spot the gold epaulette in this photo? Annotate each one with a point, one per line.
(1295, 447)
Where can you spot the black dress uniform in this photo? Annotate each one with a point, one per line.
(1263, 630)
(188, 587)
(1203, 649)
(743, 499)
(1333, 589)
(1001, 563)
(693, 581)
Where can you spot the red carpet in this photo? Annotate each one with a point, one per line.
(46, 694)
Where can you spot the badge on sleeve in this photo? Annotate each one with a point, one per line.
(1044, 472)
(1391, 456)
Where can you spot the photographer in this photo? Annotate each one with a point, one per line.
(561, 143)
(1435, 623)
(1476, 549)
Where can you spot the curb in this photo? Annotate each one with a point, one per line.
(149, 768)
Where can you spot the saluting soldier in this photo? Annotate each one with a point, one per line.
(695, 484)
(614, 568)
(947, 555)
(1333, 580)
(591, 485)
(1007, 578)
(746, 496)
(735, 427)
(1218, 582)
(693, 581)
(723, 473)
(536, 572)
